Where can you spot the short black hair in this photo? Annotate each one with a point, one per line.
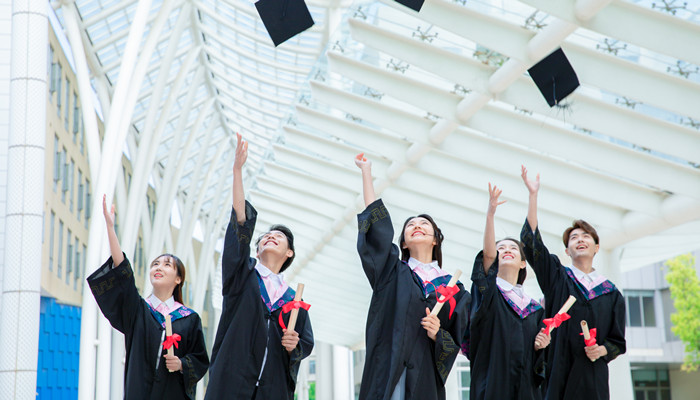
(290, 242)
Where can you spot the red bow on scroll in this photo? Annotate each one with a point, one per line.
(292, 305)
(171, 340)
(555, 322)
(448, 293)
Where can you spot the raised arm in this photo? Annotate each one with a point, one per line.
(532, 187)
(114, 248)
(367, 184)
(238, 193)
(490, 252)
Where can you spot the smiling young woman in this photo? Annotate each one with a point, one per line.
(149, 372)
(409, 352)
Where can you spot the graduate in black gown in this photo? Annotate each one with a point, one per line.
(149, 373)
(253, 356)
(574, 370)
(409, 352)
(507, 334)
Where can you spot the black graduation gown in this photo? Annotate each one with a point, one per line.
(248, 327)
(395, 339)
(570, 374)
(119, 300)
(504, 363)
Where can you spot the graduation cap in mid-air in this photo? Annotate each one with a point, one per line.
(284, 18)
(555, 77)
(412, 4)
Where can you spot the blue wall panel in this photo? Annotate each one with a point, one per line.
(59, 351)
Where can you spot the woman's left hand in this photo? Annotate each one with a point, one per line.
(172, 363)
(431, 323)
(542, 340)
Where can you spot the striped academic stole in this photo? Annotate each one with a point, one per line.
(522, 313)
(286, 297)
(604, 288)
(181, 312)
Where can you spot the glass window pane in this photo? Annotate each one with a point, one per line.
(634, 312)
(649, 314)
(651, 395)
(665, 394)
(639, 395)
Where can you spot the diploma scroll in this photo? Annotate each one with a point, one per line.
(442, 300)
(169, 333)
(295, 312)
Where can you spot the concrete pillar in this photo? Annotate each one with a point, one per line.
(19, 325)
(607, 262)
(324, 370)
(343, 387)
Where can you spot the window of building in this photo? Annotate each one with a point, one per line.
(640, 308)
(88, 205)
(82, 267)
(66, 115)
(56, 164)
(64, 166)
(52, 69)
(71, 184)
(76, 118)
(59, 83)
(52, 226)
(76, 263)
(59, 263)
(69, 257)
(651, 384)
(464, 380)
(81, 188)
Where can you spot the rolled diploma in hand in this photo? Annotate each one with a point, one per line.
(169, 332)
(295, 312)
(452, 282)
(565, 308)
(584, 328)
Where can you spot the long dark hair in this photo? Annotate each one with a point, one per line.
(522, 274)
(180, 268)
(437, 248)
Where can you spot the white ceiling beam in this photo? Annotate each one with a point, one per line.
(631, 23)
(332, 190)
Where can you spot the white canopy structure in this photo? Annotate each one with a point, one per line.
(441, 103)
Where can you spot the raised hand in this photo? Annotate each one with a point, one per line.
(494, 194)
(109, 214)
(362, 162)
(241, 152)
(532, 186)
(114, 248)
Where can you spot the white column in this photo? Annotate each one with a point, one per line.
(620, 378)
(5, 47)
(19, 326)
(324, 370)
(343, 387)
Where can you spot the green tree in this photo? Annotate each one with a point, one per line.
(685, 292)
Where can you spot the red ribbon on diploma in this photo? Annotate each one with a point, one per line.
(591, 341)
(171, 340)
(292, 305)
(449, 293)
(555, 322)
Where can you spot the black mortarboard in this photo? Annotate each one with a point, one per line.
(412, 4)
(555, 77)
(284, 18)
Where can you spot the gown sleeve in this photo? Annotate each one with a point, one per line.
(115, 291)
(196, 362)
(374, 244)
(484, 287)
(547, 267)
(236, 255)
(615, 342)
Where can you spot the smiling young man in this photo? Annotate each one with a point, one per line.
(575, 370)
(253, 356)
